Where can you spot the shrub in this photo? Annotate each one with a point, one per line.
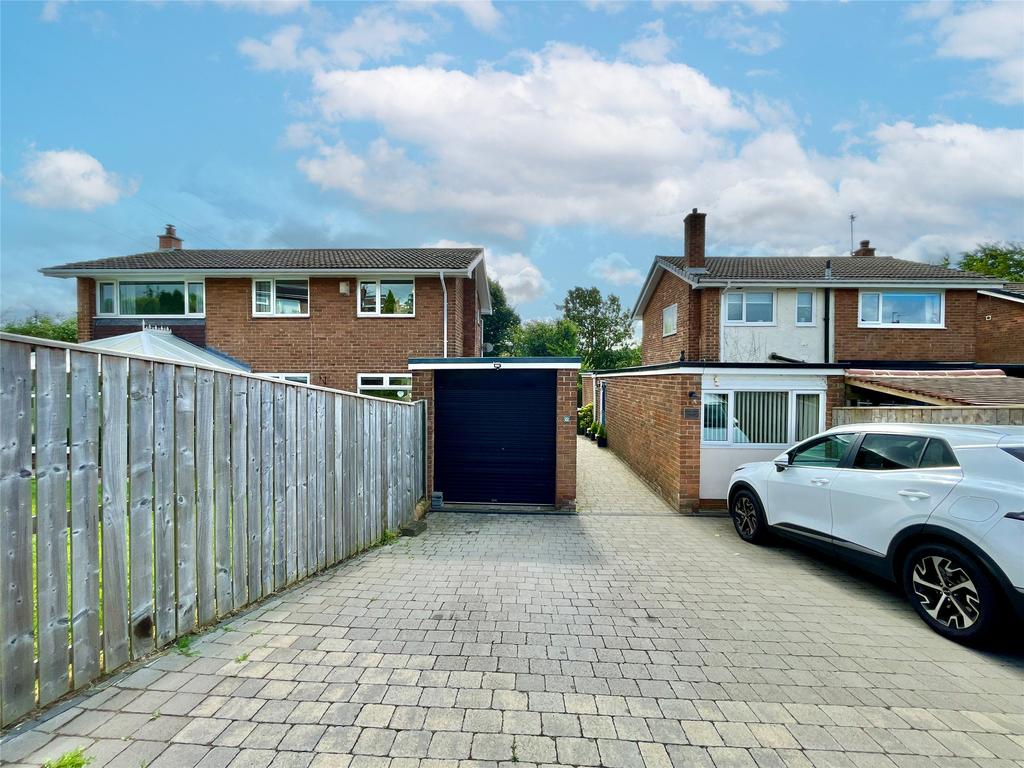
(584, 418)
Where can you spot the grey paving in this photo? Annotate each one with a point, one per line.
(624, 636)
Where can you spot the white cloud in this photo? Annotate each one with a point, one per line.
(650, 45)
(68, 178)
(279, 52)
(51, 10)
(517, 274)
(480, 13)
(744, 37)
(615, 269)
(265, 7)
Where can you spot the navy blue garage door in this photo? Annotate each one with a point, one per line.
(494, 436)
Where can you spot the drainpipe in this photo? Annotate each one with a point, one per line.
(828, 301)
(444, 291)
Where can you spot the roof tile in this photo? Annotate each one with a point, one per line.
(791, 268)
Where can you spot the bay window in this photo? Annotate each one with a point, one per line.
(280, 297)
(750, 308)
(151, 298)
(385, 297)
(902, 309)
(753, 417)
(393, 386)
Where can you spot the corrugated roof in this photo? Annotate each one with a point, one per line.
(793, 268)
(153, 342)
(962, 387)
(284, 259)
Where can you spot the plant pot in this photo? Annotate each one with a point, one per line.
(602, 442)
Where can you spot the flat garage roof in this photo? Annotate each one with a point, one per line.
(485, 363)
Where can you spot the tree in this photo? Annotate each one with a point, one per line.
(1005, 260)
(46, 327)
(605, 329)
(546, 338)
(501, 325)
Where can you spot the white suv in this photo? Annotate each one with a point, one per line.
(939, 509)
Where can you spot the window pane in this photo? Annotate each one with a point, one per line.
(400, 381)
(918, 308)
(761, 417)
(889, 452)
(196, 297)
(396, 297)
(368, 297)
(824, 452)
(389, 394)
(262, 289)
(107, 299)
(734, 307)
(371, 381)
(938, 454)
(759, 307)
(807, 410)
(668, 320)
(716, 417)
(804, 307)
(291, 297)
(869, 307)
(298, 378)
(152, 298)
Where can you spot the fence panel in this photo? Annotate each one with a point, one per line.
(1004, 415)
(217, 488)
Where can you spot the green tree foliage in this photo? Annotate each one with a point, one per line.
(604, 327)
(501, 325)
(46, 327)
(546, 338)
(1005, 260)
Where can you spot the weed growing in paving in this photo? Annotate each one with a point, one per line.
(76, 758)
(184, 646)
(243, 657)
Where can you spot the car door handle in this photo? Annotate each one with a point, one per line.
(914, 495)
(820, 481)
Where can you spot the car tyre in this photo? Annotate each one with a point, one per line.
(747, 515)
(952, 592)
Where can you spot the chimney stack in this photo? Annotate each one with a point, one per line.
(694, 239)
(865, 250)
(169, 240)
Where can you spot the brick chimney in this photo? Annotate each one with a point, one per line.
(694, 239)
(865, 250)
(169, 240)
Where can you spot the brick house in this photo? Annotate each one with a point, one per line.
(337, 317)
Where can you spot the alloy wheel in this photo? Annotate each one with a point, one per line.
(946, 592)
(745, 514)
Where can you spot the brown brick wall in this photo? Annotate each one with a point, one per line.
(423, 389)
(86, 307)
(587, 390)
(471, 329)
(665, 349)
(954, 343)
(710, 337)
(1000, 331)
(565, 440)
(835, 397)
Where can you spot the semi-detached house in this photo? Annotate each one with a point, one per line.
(742, 356)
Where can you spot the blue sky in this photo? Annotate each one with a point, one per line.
(569, 139)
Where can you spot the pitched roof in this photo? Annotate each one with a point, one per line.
(970, 387)
(159, 342)
(796, 268)
(284, 259)
(1009, 291)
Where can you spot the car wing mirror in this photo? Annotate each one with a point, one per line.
(782, 463)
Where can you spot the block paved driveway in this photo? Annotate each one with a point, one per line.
(601, 639)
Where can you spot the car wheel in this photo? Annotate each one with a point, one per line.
(951, 591)
(748, 517)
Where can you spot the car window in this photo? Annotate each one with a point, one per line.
(890, 452)
(826, 451)
(938, 454)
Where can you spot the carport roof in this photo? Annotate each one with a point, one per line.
(986, 386)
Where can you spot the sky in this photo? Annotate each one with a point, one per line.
(568, 139)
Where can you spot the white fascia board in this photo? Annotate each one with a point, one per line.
(121, 274)
(949, 285)
(1006, 297)
(653, 276)
(491, 366)
(692, 370)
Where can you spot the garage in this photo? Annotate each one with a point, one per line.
(501, 430)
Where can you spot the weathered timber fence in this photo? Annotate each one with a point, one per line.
(141, 499)
(938, 414)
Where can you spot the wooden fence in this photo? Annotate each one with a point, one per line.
(142, 499)
(938, 414)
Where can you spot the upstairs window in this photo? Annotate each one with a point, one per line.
(380, 298)
(669, 319)
(750, 308)
(150, 298)
(283, 297)
(902, 309)
(804, 308)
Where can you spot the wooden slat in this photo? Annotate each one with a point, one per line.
(351, 479)
(140, 493)
(301, 515)
(239, 491)
(223, 472)
(185, 448)
(321, 479)
(163, 501)
(115, 512)
(85, 518)
(17, 673)
(291, 490)
(205, 491)
(52, 522)
(254, 536)
(366, 489)
(267, 486)
(311, 502)
(280, 485)
(333, 555)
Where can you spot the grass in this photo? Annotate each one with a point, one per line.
(386, 538)
(184, 646)
(75, 758)
(243, 657)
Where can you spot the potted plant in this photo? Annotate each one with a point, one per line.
(602, 436)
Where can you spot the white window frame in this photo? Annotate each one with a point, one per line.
(288, 377)
(744, 293)
(882, 291)
(387, 382)
(790, 416)
(796, 310)
(273, 296)
(378, 281)
(675, 320)
(116, 282)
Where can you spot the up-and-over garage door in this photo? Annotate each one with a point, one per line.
(494, 436)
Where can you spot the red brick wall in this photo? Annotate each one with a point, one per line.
(954, 343)
(423, 389)
(835, 396)
(665, 349)
(565, 440)
(1000, 331)
(710, 337)
(471, 330)
(86, 307)
(587, 389)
